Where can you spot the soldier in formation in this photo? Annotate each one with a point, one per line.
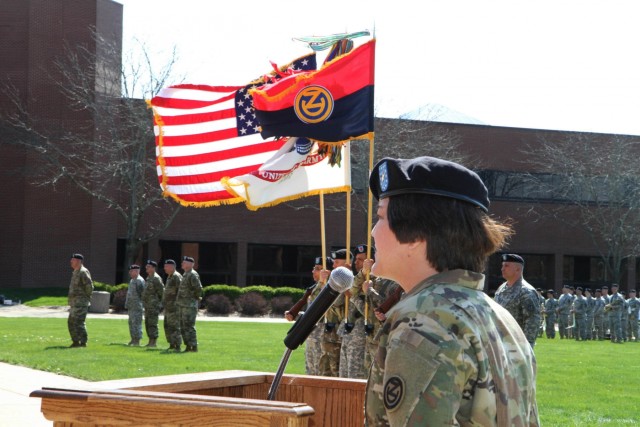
(614, 308)
(171, 313)
(152, 301)
(133, 304)
(634, 314)
(80, 290)
(598, 316)
(550, 306)
(188, 300)
(564, 312)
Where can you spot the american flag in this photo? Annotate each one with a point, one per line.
(205, 133)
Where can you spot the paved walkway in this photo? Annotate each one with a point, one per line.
(17, 409)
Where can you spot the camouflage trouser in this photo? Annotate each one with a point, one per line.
(580, 331)
(624, 323)
(330, 359)
(606, 319)
(313, 350)
(563, 324)
(76, 324)
(615, 319)
(633, 328)
(172, 327)
(135, 323)
(598, 324)
(151, 315)
(352, 351)
(550, 326)
(188, 325)
(589, 322)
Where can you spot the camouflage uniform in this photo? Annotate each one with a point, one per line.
(449, 355)
(80, 290)
(589, 313)
(624, 319)
(579, 311)
(331, 341)
(521, 300)
(313, 347)
(615, 314)
(598, 318)
(564, 311)
(606, 318)
(189, 295)
(353, 344)
(133, 304)
(152, 300)
(380, 290)
(171, 314)
(550, 306)
(542, 321)
(634, 309)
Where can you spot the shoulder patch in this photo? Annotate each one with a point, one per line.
(393, 392)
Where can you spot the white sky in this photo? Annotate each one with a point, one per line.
(548, 64)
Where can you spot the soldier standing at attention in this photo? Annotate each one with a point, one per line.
(80, 290)
(352, 330)
(564, 311)
(152, 301)
(133, 304)
(634, 310)
(171, 315)
(550, 306)
(591, 308)
(448, 355)
(598, 316)
(313, 343)
(579, 310)
(606, 316)
(519, 297)
(189, 296)
(616, 302)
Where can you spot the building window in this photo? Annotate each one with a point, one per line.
(280, 265)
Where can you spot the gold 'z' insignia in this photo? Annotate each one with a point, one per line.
(393, 393)
(313, 104)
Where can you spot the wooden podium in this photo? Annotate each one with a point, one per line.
(225, 398)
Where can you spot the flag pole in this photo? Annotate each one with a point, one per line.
(369, 225)
(322, 237)
(348, 245)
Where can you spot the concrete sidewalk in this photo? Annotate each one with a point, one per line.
(17, 409)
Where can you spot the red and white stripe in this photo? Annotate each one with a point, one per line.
(198, 142)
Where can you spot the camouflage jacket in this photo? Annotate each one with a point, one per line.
(616, 302)
(521, 300)
(449, 355)
(580, 306)
(550, 307)
(80, 288)
(380, 290)
(171, 291)
(634, 307)
(564, 304)
(591, 306)
(134, 294)
(190, 290)
(598, 309)
(153, 291)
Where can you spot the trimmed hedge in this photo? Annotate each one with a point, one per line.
(231, 292)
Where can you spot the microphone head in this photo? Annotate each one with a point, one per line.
(341, 279)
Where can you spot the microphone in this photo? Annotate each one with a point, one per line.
(340, 280)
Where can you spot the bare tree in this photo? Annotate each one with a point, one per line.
(594, 185)
(108, 151)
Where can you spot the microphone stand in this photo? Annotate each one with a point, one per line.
(276, 380)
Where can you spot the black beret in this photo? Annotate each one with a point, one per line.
(341, 254)
(512, 258)
(579, 288)
(362, 249)
(571, 287)
(598, 290)
(329, 261)
(605, 287)
(613, 285)
(632, 290)
(427, 175)
(188, 259)
(152, 262)
(587, 290)
(77, 256)
(169, 261)
(539, 289)
(134, 267)
(567, 286)
(551, 291)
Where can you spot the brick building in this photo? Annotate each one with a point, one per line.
(42, 226)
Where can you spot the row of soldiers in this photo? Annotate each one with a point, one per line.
(179, 298)
(581, 316)
(342, 344)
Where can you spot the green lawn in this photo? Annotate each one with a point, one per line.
(579, 383)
